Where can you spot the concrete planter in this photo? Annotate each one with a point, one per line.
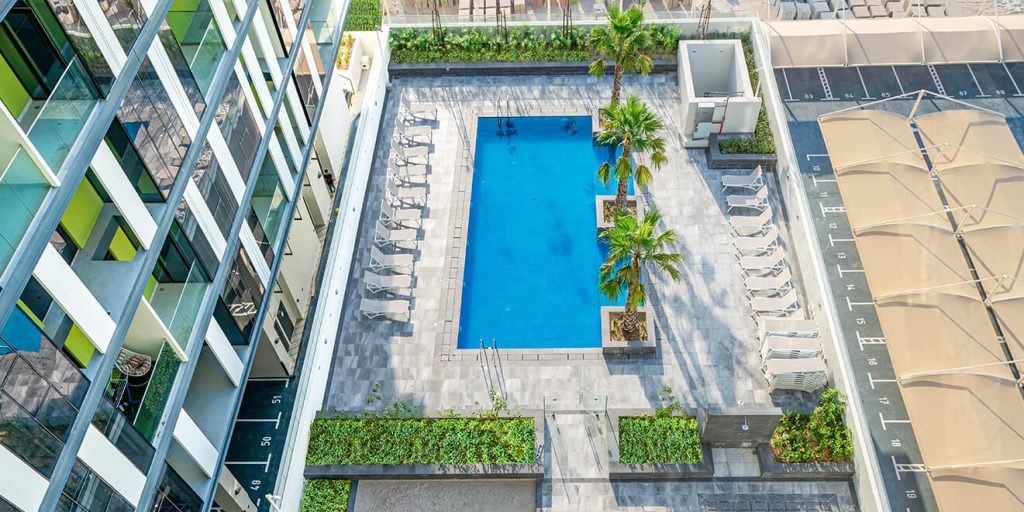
(646, 346)
(772, 469)
(599, 201)
(719, 160)
(619, 471)
(440, 471)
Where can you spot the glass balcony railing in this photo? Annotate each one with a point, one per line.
(22, 190)
(157, 392)
(61, 118)
(123, 434)
(174, 494)
(177, 304)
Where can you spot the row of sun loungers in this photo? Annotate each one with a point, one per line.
(401, 215)
(790, 348)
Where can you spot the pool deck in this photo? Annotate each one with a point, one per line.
(707, 348)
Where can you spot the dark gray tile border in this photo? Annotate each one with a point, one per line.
(620, 471)
(440, 471)
(772, 469)
(455, 258)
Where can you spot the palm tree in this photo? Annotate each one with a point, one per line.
(635, 128)
(623, 42)
(633, 243)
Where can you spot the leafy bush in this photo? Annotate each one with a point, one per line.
(519, 44)
(395, 435)
(345, 51)
(821, 436)
(448, 440)
(664, 438)
(363, 16)
(326, 496)
(763, 142)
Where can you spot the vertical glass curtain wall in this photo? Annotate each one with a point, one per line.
(267, 209)
(209, 179)
(238, 126)
(239, 301)
(199, 37)
(152, 125)
(180, 282)
(40, 392)
(85, 491)
(127, 18)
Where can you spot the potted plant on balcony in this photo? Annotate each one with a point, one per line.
(633, 128)
(632, 243)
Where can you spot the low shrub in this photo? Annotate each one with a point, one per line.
(821, 436)
(326, 496)
(449, 440)
(396, 435)
(662, 438)
(520, 44)
(345, 51)
(363, 16)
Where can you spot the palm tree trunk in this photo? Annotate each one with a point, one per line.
(622, 190)
(617, 84)
(630, 316)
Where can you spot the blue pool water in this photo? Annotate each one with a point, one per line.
(532, 255)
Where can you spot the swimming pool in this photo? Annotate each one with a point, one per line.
(532, 252)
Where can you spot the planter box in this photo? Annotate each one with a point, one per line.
(440, 471)
(774, 470)
(418, 69)
(608, 346)
(599, 201)
(719, 160)
(619, 471)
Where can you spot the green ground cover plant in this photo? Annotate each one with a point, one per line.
(763, 142)
(326, 496)
(363, 16)
(821, 436)
(666, 437)
(397, 435)
(517, 44)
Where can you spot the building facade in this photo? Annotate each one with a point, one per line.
(159, 238)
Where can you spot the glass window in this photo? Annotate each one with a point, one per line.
(154, 128)
(183, 70)
(240, 301)
(131, 163)
(120, 431)
(209, 178)
(200, 39)
(268, 207)
(238, 126)
(86, 491)
(24, 436)
(181, 282)
(305, 77)
(196, 237)
(79, 35)
(127, 18)
(174, 495)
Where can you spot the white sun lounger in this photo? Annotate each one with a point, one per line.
(758, 243)
(406, 195)
(775, 305)
(410, 110)
(394, 309)
(418, 155)
(770, 263)
(782, 326)
(377, 283)
(400, 217)
(383, 236)
(784, 347)
(752, 181)
(779, 283)
(393, 262)
(406, 171)
(800, 374)
(759, 200)
(751, 223)
(414, 135)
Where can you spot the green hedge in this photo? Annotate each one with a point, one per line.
(659, 439)
(363, 16)
(520, 45)
(821, 436)
(449, 440)
(326, 496)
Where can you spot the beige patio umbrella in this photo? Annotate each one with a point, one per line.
(862, 136)
(883, 191)
(908, 256)
(966, 137)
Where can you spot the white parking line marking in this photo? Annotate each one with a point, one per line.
(907, 468)
(872, 380)
(867, 95)
(1012, 80)
(265, 464)
(847, 271)
(850, 304)
(885, 421)
(861, 340)
(275, 421)
(898, 81)
(789, 91)
(981, 93)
